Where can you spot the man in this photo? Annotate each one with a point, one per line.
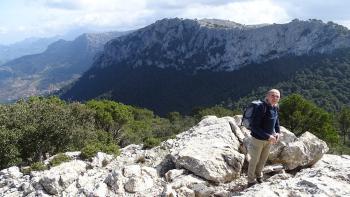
(265, 131)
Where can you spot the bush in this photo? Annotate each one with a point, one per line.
(339, 150)
(300, 115)
(151, 142)
(112, 149)
(38, 166)
(9, 151)
(26, 170)
(91, 149)
(58, 159)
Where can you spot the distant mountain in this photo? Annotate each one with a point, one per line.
(62, 62)
(176, 64)
(28, 46)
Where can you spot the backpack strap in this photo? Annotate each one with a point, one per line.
(264, 106)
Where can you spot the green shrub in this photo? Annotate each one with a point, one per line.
(26, 170)
(339, 150)
(9, 150)
(112, 149)
(151, 142)
(58, 159)
(91, 149)
(300, 115)
(38, 166)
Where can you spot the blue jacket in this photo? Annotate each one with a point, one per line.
(265, 124)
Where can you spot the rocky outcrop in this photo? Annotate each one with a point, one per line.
(206, 160)
(305, 151)
(209, 150)
(329, 177)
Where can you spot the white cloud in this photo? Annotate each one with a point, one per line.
(112, 13)
(179, 4)
(334, 10)
(248, 12)
(95, 5)
(51, 17)
(3, 30)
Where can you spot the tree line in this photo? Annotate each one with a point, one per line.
(33, 129)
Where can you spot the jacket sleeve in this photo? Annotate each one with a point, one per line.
(257, 122)
(277, 125)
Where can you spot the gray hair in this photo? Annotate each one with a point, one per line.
(273, 91)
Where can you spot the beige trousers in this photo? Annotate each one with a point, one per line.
(259, 152)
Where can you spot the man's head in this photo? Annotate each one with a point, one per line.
(273, 96)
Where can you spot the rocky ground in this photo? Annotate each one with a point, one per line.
(209, 159)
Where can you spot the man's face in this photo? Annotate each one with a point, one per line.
(273, 98)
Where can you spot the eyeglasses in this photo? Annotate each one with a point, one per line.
(275, 96)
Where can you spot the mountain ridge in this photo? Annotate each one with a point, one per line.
(167, 66)
(26, 47)
(180, 41)
(62, 62)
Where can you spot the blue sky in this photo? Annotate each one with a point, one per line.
(20, 19)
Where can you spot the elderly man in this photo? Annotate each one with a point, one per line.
(265, 131)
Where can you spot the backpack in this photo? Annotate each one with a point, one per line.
(249, 113)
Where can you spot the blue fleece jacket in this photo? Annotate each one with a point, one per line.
(265, 122)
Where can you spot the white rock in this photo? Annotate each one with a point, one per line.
(172, 174)
(329, 177)
(113, 180)
(71, 190)
(185, 192)
(273, 168)
(286, 139)
(204, 150)
(73, 155)
(27, 188)
(50, 182)
(86, 184)
(132, 170)
(169, 191)
(148, 171)
(186, 180)
(201, 190)
(138, 184)
(306, 151)
(69, 171)
(100, 158)
(13, 193)
(101, 190)
(12, 172)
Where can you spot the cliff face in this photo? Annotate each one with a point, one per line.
(209, 159)
(221, 45)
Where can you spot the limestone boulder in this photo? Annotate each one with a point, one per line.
(303, 152)
(209, 150)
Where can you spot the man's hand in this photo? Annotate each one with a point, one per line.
(272, 139)
(277, 136)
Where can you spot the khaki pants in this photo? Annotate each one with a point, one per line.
(259, 152)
